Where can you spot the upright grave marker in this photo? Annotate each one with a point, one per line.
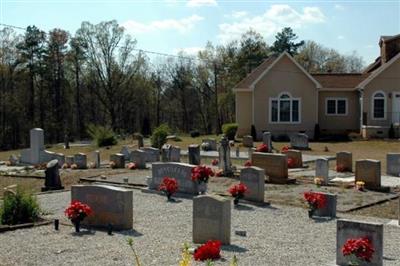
(139, 158)
(344, 161)
(52, 180)
(211, 219)
(322, 169)
(118, 159)
(225, 157)
(299, 141)
(80, 160)
(194, 154)
(369, 171)
(274, 165)
(267, 140)
(254, 178)
(296, 157)
(152, 154)
(393, 164)
(248, 141)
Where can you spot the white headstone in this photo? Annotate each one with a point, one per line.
(322, 169)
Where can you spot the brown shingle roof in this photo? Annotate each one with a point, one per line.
(340, 80)
(253, 75)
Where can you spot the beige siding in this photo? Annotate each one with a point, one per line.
(285, 76)
(244, 112)
(388, 81)
(332, 124)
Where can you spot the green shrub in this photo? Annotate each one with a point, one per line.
(159, 136)
(19, 208)
(229, 130)
(194, 133)
(102, 136)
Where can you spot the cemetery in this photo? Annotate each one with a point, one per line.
(249, 208)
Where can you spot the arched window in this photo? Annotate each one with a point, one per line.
(284, 109)
(379, 105)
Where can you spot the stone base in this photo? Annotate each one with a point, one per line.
(51, 188)
(281, 181)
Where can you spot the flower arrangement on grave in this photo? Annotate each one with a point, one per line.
(318, 181)
(131, 166)
(201, 174)
(359, 250)
(262, 148)
(65, 166)
(211, 250)
(340, 168)
(77, 212)
(169, 186)
(214, 162)
(237, 191)
(113, 164)
(284, 149)
(248, 163)
(74, 166)
(315, 201)
(219, 173)
(360, 185)
(291, 162)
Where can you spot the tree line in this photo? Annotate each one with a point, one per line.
(63, 82)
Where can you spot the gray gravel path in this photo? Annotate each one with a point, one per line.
(275, 236)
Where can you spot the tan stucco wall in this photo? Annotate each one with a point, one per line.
(244, 112)
(285, 76)
(388, 81)
(332, 124)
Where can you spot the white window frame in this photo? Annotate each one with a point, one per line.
(373, 105)
(336, 99)
(290, 99)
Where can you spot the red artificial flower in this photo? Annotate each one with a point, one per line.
(291, 162)
(262, 148)
(209, 251)
(169, 185)
(132, 166)
(284, 149)
(201, 173)
(77, 211)
(214, 162)
(238, 190)
(362, 248)
(219, 173)
(248, 163)
(340, 168)
(315, 199)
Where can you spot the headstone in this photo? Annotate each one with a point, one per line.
(152, 154)
(329, 210)
(140, 140)
(52, 180)
(254, 178)
(194, 154)
(126, 152)
(248, 141)
(267, 140)
(118, 159)
(32, 155)
(299, 141)
(296, 157)
(347, 229)
(393, 164)
(80, 160)
(211, 219)
(66, 141)
(97, 159)
(175, 154)
(274, 164)
(225, 157)
(322, 169)
(60, 158)
(344, 159)
(166, 153)
(182, 172)
(139, 158)
(369, 171)
(14, 160)
(110, 205)
(69, 160)
(210, 143)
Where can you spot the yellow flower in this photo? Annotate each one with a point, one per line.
(318, 181)
(186, 256)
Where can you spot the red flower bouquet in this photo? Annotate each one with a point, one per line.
(248, 163)
(132, 166)
(76, 212)
(340, 168)
(219, 173)
(291, 162)
(169, 186)
(201, 173)
(237, 191)
(214, 162)
(284, 149)
(359, 248)
(209, 251)
(262, 148)
(315, 201)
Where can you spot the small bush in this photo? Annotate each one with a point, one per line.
(229, 130)
(194, 133)
(159, 136)
(19, 208)
(102, 136)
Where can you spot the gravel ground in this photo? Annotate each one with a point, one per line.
(276, 235)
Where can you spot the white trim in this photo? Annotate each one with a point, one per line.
(394, 98)
(252, 85)
(336, 99)
(290, 99)
(373, 105)
(378, 71)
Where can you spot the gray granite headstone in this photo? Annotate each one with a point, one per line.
(296, 156)
(267, 140)
(97, 159)
(118, 159)
(69, 160)
(110, 205)
(211, 219)
(248, 141)
(347, 229)
(344, 159)
(254, 178)
(322, 169)
(369, 171)
(299, 141)
(80, 160)
(175, 154)
(126, 152)
(166, 153)
(139, 158)
(33, 154)
(211, 144)
(152, 154)
(274, 165)
(194, 154)
(329, 210)
(224, 152)
(393, 164)
(52, 179)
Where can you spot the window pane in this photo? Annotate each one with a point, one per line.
(379, 108)
(274, 111)
(341, 107)
(284, 111)
(331, 107)
(285, 96)
(295, 111)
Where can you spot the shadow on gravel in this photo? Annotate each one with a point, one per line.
(389, 259)
(234, 248)
(132, 232)
(243, 208)
(83, 233)
(323, 219)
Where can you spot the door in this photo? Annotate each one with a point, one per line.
(396, 108)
